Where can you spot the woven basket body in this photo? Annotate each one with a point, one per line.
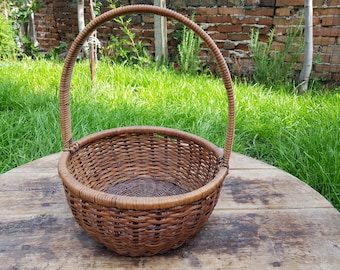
(143, 190)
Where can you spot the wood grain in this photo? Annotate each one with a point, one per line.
(265, 219)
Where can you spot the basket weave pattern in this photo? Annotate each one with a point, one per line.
(141, 191)
(127, 156)
(138, 232)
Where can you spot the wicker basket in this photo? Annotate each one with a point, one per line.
(141, 190)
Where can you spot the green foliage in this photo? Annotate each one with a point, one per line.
(8, 48)
(96, 7)
(28, 48)
(54, 54)
(298, 134)
(124, 49)
(188, 50)
(19, 12)
(275, 67)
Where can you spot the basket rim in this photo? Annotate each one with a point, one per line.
(140, 203)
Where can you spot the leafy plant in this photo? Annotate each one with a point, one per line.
(22, 10)
(19, 12)
(28, 47)
(274, 66)
(125, 49)
(54, 54)
(8, 48)
(188, 50)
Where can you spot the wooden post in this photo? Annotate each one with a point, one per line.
(160, 28)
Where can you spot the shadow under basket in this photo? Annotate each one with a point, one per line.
(143, 190)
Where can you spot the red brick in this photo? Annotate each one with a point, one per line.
(258, 20)
(238, 36)
(326, 11)
(245, 20)
(333, 50)
(330, 21)
(318, 3)
(220, 36)
(285, 3)
(237, 20)
(201, 18)
(264, 21)
(220, 45)
(280, 29)
(230, 11)
(277, 46)
(260, 12)
(326, 68)
(324, 40)
(218, 19)
(148, 19)
(212, 28)
(229, 28)
(326, 31)
(282, 12)
(206, 11)
(316, 21)
(242, 46)
(65, 9)
(280, 21)
(332, 3)
(59, 4)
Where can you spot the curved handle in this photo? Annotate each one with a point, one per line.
(64, 98)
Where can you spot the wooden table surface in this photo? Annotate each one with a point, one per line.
(265, 219)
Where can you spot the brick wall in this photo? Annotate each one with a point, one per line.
(227, 21)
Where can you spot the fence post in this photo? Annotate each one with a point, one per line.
(160, 28)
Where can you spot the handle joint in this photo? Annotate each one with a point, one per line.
(72, 147)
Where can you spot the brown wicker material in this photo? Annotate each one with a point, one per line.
(141, 190)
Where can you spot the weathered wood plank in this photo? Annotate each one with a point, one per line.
(267, 189)
(290, 239)
(241, 162)
(42, 165)
(265, 218)
(31, 194)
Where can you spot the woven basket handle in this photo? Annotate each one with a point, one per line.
(64, 98)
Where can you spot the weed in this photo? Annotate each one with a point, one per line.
(273, 66)
(188, 51)
(8, 48)
(124, 49)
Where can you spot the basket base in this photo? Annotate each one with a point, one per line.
(145, 187)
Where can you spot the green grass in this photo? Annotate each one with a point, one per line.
(299, 134)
